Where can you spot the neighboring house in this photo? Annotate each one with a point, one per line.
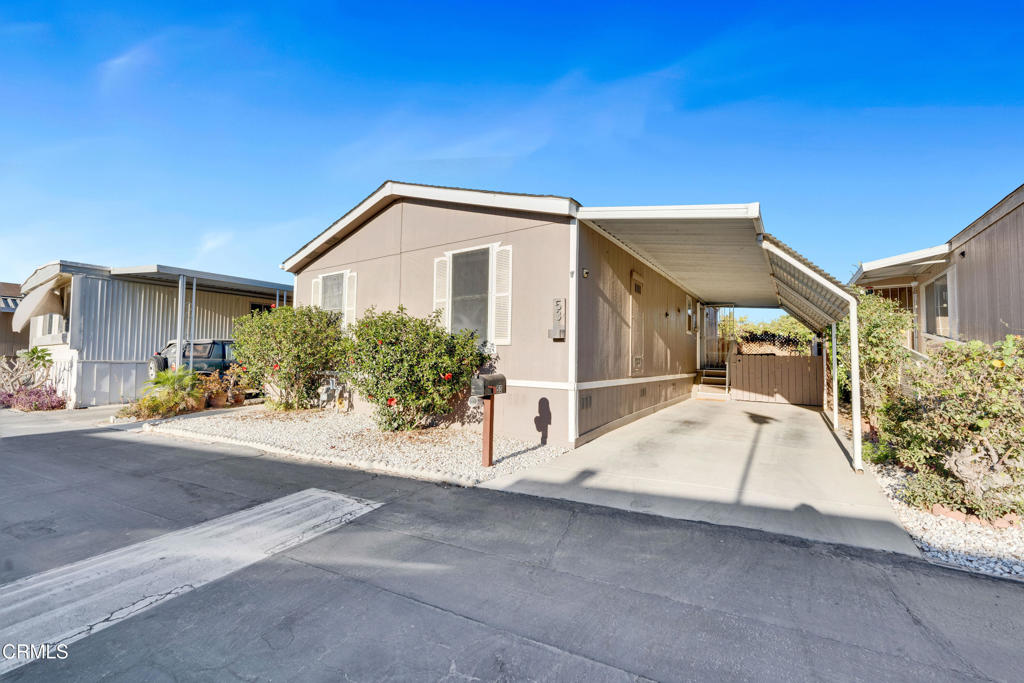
(10, 341)
(102, 324)
(597, 315)
(970, 287)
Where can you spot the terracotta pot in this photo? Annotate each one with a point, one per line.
(237, 399)
(218, 400)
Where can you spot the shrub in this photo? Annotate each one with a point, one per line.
(882, 326)
(28, 369)
(290, 349)
(776, 339)
(410, 368)
(37, 398)
(965, 427)
(171, 392)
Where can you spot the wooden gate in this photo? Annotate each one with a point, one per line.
(776, 379)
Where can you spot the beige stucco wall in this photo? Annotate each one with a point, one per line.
(604, 318)
(393, 256)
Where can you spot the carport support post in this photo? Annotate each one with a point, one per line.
(181, 321)
(192, 329)
(858, 462)
(835, 381)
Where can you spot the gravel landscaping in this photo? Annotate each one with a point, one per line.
(966, 544)
(444, 454)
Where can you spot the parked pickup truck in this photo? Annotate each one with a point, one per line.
(208, 355)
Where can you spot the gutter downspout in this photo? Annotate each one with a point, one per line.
(835, 382)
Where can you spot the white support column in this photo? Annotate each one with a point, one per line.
(858, 462)
(835, 382)
(181, 321)
(572, 331)
(192, 328)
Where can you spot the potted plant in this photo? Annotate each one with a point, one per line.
(236, 382)
(215, 389)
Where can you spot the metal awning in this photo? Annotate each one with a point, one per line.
(721, 254)
(910, 264)
(40, 301)
(210, 282)
(9, 304)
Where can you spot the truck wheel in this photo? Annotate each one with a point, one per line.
(155, 365)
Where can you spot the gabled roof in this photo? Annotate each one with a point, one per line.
(391, 191)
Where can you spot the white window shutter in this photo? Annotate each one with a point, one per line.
(315, 294)
(502, 296)
(350, 299)
(441, 288)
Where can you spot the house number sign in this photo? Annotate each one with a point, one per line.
(557, 331)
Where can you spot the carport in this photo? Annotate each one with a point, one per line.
(773, 466)
(722, 253)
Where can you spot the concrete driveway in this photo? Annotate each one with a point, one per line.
(767, 466)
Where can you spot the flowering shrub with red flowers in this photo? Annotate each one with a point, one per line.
(287, 351)
(410, 368)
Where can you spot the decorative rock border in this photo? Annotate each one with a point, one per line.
(422, 473)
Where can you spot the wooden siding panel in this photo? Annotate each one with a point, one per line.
(777, 379)
(990, 287)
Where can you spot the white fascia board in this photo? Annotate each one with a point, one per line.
(226, 280)
(908, 258)
(392, 191)
(685, 211)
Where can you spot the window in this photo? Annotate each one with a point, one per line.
(636, 325)
(336, 292)
(199, 350)
(473, 291)
(333, 291)
(936, 301)
(262, 308)
(691, 317)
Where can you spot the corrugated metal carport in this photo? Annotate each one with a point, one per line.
(721, 253)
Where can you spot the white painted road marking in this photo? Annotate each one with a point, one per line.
(66, 604)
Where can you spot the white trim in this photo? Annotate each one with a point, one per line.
(601, 384)
(684, 211)
(572, 330)
(539, 384)
(906, 258)
(598, 384)
(392, 191)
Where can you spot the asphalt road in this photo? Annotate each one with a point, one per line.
(442, 583)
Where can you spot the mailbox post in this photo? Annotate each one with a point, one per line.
(486, 387)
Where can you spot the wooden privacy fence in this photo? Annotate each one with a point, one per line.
(777, 379)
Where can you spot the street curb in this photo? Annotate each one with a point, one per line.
(421, 473)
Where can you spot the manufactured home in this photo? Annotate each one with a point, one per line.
(969, 287)
(102, 324)
(597, 315)
(10, 341)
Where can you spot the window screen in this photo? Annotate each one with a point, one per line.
(333, 292)
(470, 288)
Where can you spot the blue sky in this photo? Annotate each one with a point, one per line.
(223, 136)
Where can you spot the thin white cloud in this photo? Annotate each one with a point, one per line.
(127, 66)
(493, 131)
